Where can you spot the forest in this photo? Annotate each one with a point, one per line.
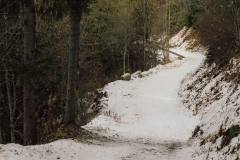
(53, 53)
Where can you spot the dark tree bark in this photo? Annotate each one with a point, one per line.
(72, 87)
(10, 105)
(30, 135)
(144, 34)
(0, 134)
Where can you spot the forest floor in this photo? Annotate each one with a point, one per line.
(143, 120)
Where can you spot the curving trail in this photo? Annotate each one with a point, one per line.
(145, 115)
(143, 120)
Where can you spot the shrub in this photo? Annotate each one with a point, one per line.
(209, 57)
(234, 129)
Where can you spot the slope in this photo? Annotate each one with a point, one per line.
(212, 92)
(142, 120)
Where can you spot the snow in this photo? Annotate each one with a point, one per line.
(178, 39)
(216, 100)
(142, 120)
(185, 39)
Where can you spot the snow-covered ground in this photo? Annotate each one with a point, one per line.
(143, 120)
(145, 112)
(213, 93)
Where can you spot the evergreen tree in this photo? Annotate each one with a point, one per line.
(30, 135)
(76, 8)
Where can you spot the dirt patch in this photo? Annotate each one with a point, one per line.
(71, 132)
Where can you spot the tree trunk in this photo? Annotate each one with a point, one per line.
(1, 138)
(10, 106)
(128, 63)
(72, 88)
(1, 135)
(126, 41)
(30, 135)
(14, 95)
(144, 33)
(168, 33)
(124, 55)
(236, 17)
(166, 28)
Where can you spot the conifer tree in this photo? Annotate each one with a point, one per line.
(76, 8)
(30, 135)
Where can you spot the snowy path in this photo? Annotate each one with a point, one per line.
(143, 121)
(146, 113)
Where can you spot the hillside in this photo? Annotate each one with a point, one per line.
(184, 110)
(117, 78)
(141, 119)
(212, 92)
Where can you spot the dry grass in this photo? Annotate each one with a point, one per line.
(71, 132)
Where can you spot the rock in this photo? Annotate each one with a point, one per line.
(144, 74)
(137, 74)
(90, 105)
(126, 77)
(99, 94)
(105, 94)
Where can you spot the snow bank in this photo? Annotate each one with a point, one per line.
(214, 94)
(187, 39)
(141, 120)
(178, 39)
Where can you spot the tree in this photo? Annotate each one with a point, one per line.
(13, 9)
(144, 5)
(76, 8)
(10, 105)
(30, 135)
(36, 79)
(235, 6)
(125, 31)
(10, 34)
(215, 28)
